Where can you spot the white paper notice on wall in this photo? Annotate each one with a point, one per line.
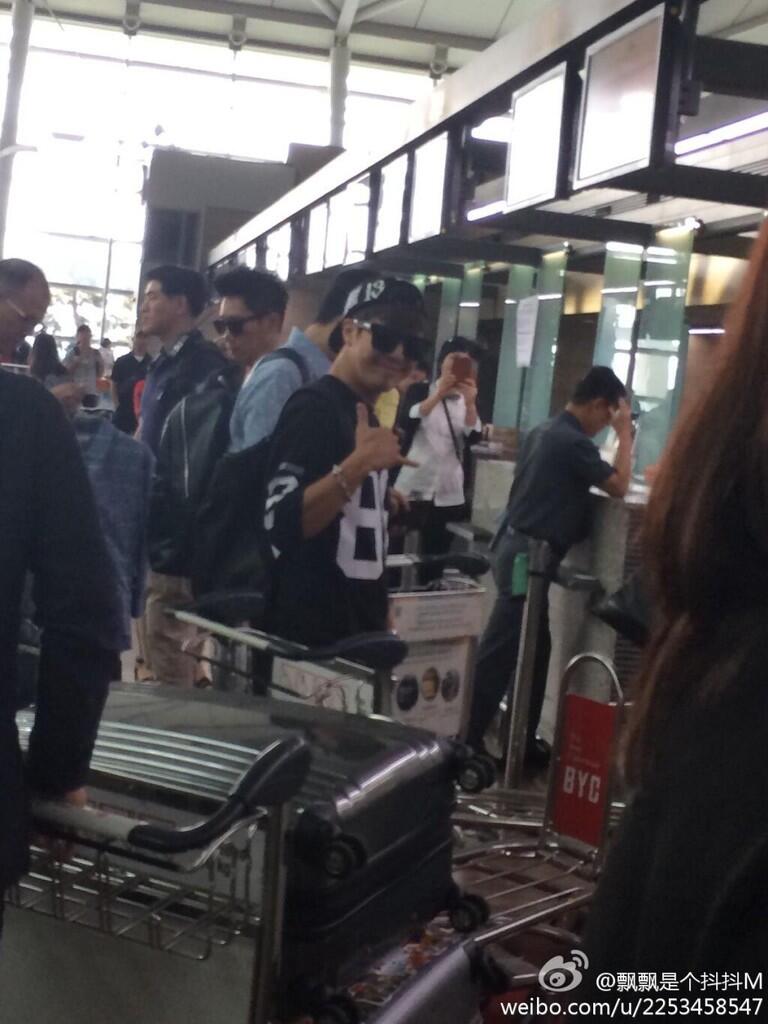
(527, 314)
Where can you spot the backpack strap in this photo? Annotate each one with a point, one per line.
(293, 356)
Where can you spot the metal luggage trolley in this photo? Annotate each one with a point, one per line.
(185, 857)
(530, 881)
(186, 887)
(438, 632)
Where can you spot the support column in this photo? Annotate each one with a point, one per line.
(22, 15)
(339, 74)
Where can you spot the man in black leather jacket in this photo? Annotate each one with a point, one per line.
(49, 528)
(174, 298)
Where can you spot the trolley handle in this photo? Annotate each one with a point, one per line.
(468, 564)
(273, 779)
(230, 606)
(379, 651)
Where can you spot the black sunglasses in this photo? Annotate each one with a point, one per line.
(235, 325)
(386, 340)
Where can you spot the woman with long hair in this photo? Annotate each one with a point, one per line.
(686, 885)
(44, 363)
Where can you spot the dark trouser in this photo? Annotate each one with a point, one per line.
(436, 538)
(499, 646)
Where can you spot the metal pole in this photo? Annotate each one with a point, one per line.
(22, 15)
(339, 74)
(538, 584)
(268, 951)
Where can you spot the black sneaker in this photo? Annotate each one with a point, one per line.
(538, 755)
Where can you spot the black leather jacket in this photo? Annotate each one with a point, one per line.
(195, 436)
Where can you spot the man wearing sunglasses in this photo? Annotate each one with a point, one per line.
(306, 356)
(326, 508)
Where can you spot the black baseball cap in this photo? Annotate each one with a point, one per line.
(379, 290)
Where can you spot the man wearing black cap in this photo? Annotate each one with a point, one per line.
(549, 501)
(326, 509)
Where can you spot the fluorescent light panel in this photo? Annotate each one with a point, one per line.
(726, 133)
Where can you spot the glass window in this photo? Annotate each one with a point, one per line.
(71, 306)
(124, 266)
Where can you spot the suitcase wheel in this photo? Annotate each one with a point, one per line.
(477, 774)
(339, 1009)
(468, 913)
(343, 857)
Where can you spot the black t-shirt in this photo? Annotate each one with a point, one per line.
(126, 372)
(332, 585)
(557, 465)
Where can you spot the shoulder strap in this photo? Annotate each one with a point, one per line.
(295, 357)
(453, 432)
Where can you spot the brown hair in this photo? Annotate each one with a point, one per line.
(706, 533)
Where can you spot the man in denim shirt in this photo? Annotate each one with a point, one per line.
(273, 380)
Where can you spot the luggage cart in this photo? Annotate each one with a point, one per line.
(511, 805)
(172, 856)
(529, 881)
(183, 887)
(438, 632)
(432, 686)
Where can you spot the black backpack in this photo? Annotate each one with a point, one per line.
(230, 551)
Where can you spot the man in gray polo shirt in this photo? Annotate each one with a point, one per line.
(549, 500)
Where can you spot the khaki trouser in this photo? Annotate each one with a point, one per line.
(163, 638)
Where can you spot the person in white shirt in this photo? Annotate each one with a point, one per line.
(438, 420)
(107, 356)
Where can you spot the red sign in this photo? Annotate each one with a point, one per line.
(584, 770)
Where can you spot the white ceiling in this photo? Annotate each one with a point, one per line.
(399, 32)
(403, 32)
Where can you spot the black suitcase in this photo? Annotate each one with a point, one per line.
(369, 843)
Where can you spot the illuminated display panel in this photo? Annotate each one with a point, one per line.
(279, 251)
(336, 235)
(318, 225)
(534, 151)
(428, 189)
(358, 214)
(389, 216)
(619, 103)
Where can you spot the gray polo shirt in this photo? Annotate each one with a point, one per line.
(557, 465)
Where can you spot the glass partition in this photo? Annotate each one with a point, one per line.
(537, 392)
(511, 375)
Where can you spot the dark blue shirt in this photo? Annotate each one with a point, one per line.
(557, 465)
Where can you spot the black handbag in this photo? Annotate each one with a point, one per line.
(628, 610)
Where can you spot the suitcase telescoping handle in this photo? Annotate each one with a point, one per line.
(273, 779)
